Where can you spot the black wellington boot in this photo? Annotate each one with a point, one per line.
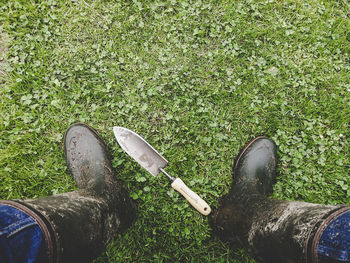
(271, 230)
(78, 225)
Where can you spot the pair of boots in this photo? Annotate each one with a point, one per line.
(77, 226)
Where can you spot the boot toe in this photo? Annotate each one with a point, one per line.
(86, 154)
(257, 164)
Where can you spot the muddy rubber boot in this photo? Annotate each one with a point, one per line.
(271, 230)
(78, 225)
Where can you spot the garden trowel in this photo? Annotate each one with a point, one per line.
(143, 153)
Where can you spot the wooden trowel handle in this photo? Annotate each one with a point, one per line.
(191, 197)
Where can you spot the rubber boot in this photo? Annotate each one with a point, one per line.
(78, 225)
(271, 230)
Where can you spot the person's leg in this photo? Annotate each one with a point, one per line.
(272, 230)
(77, 226)
(334, 242)
(21, 239)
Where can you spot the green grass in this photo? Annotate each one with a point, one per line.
(197, 81)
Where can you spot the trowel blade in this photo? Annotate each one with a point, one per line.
(143, 153)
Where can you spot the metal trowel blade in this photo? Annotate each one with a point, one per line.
(143, 153)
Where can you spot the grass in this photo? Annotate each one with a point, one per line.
(197, 80)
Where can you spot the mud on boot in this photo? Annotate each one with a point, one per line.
(89, 163)
(78, 225)
(271, 230)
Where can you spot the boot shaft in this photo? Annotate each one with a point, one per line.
(81, 223)
(273, 230)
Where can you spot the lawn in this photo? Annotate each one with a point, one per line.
(197, 80)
